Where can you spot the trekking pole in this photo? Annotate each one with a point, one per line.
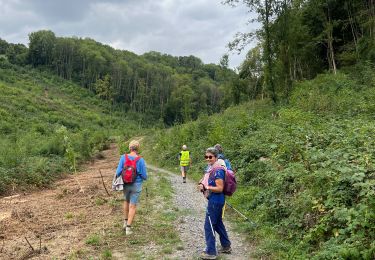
(242, 215)
(209, 219)
(146, 200)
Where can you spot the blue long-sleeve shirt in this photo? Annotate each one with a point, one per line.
(141, 168)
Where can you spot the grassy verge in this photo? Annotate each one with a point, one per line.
(154, 234)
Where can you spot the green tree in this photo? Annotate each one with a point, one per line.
(41, 45)
(103, 87)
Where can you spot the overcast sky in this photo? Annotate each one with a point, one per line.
(201, 28)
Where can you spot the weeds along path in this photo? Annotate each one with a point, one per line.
(63, 223)
(190, 224)
(55, 223)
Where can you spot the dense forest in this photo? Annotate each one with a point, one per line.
(300, 39)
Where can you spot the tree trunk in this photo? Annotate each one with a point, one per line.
(330, 50)
(269, 79)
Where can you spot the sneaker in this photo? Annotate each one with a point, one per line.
(125, 223)
(128, 231)
(184, 181)
(204, 255)
(225, 250)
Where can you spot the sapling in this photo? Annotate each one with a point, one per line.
(69, 153)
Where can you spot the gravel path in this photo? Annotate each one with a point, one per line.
(190, 225)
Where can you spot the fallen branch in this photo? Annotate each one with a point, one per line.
(104, 183)
(32, 248)
(1, 237)
(11, 197)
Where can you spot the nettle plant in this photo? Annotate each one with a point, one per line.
(70, 154)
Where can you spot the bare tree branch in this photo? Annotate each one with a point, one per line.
(104, 183)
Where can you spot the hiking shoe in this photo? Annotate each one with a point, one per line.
(204, 255)
(128, 231)
(225, 250)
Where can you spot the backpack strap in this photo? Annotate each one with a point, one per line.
(214, 169)
(126, 159)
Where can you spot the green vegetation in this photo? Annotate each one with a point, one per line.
(159, 86)
(306, 170)
(93, 240)
(301, 139)
(49, 125)
(299, 40)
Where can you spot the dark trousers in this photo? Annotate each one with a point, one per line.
(214, 213)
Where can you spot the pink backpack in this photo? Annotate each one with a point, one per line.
(230, 183)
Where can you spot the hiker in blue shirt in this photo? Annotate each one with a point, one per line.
(216, 199)
(221, 155)
(132, 190)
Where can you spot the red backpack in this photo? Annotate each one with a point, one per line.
(129, 171)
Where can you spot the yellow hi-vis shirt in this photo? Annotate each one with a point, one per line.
(185, 158)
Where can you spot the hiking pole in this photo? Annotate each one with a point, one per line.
(242, 215)
(146, 199)
(212, 228)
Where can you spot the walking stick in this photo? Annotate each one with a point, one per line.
(242, 215)
(212, 228)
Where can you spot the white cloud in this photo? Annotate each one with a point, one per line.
(201, 28)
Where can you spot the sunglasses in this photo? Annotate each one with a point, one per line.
(208, 157)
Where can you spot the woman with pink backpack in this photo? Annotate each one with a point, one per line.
(213, 190)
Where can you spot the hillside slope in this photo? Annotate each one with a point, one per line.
(48, 125)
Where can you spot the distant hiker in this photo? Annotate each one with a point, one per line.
(185, 161)
(132, 167)
(221, 156)
(216, 199)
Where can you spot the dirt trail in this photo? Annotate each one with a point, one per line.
(190, 225)
(57, 221)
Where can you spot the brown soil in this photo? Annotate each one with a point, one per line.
(55, 223)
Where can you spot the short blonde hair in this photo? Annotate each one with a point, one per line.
(134, 145)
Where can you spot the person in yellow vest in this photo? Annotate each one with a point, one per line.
(185, 161)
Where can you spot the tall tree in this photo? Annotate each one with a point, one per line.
(265, 10)
(41, 45)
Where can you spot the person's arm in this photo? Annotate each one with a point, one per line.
(219, 186)
(120, 166)
(142, 169)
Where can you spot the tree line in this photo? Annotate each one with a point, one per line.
(299, 39)
(160, 86)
